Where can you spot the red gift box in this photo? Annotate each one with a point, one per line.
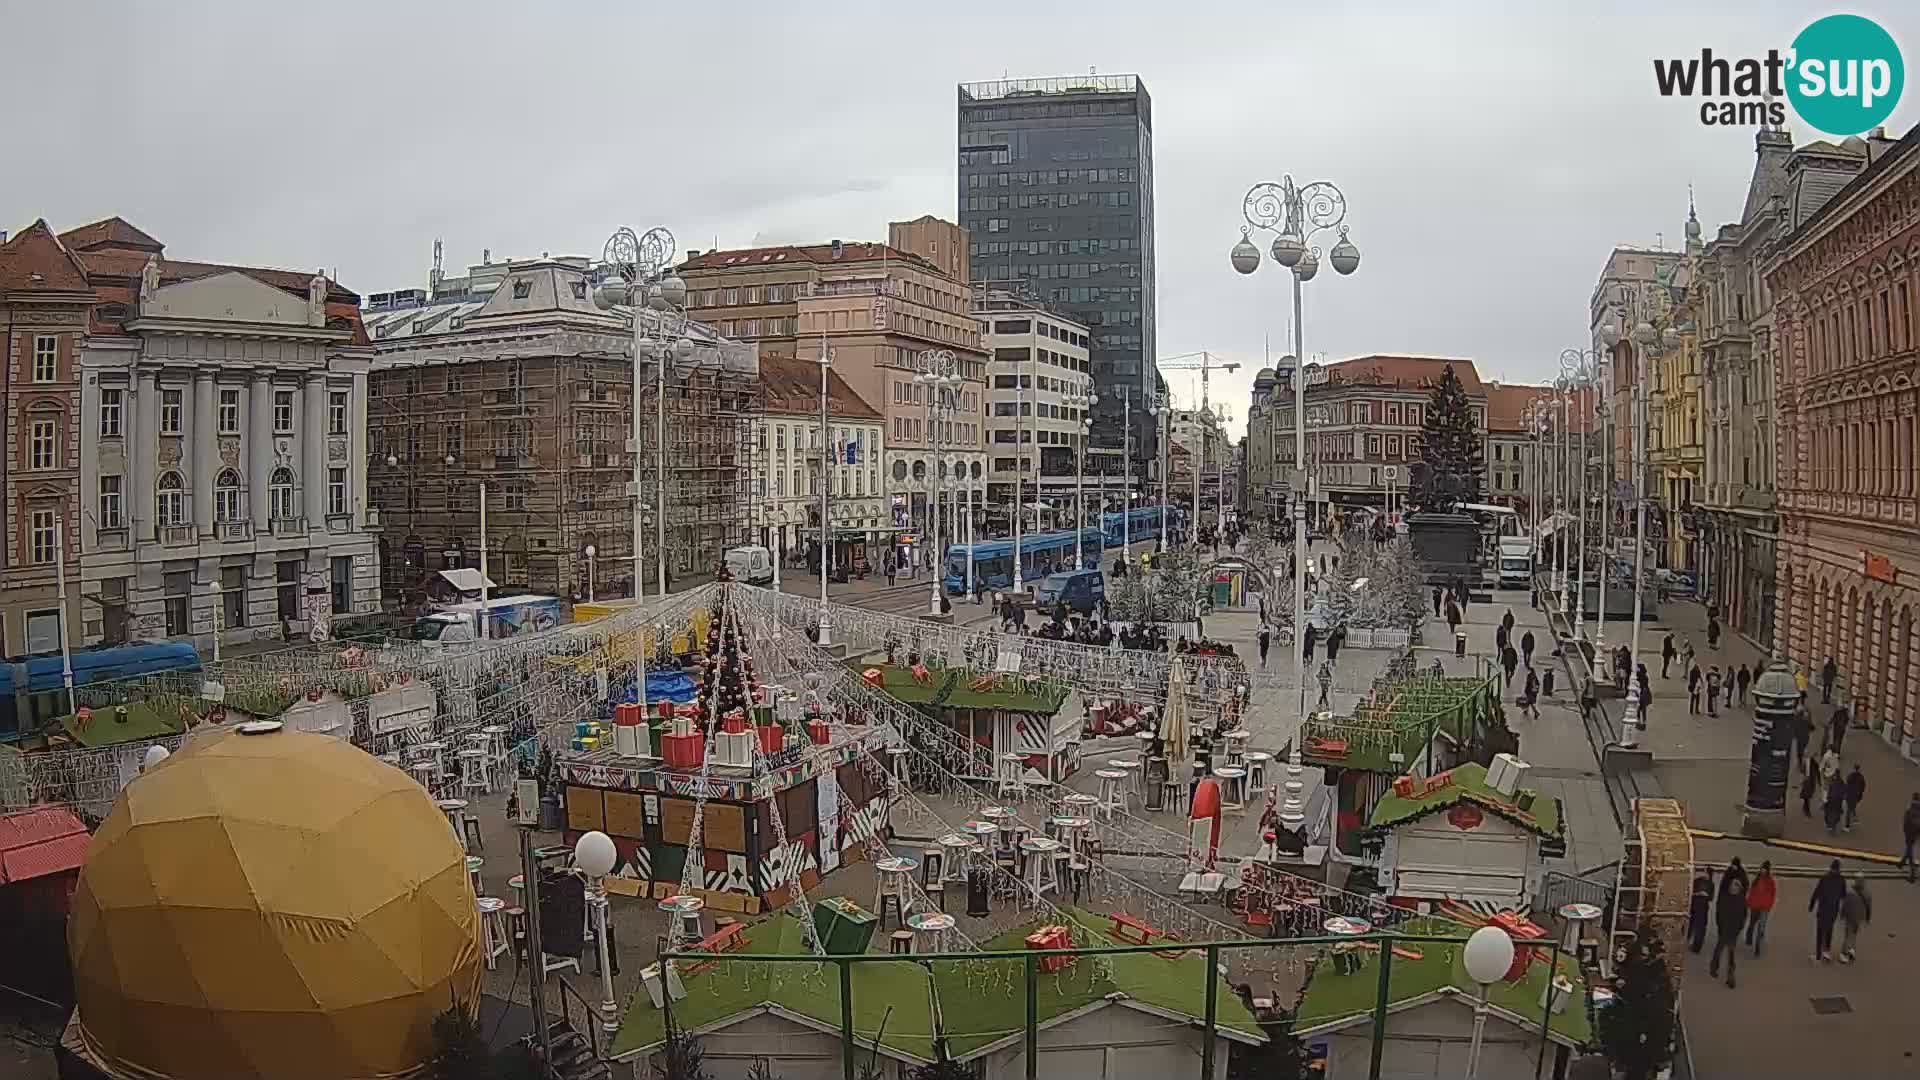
(734, 722)
(663, 709)
(819, 732)
(626, 715)
(1049, 938)
(773, 738)
(682, 751)
(1403, 786)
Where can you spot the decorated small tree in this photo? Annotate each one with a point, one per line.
(459, 1048)
(1636, 1031)
(1452, 465)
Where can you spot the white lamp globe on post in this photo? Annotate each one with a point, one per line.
(392, 461)
(1345, 255)
(594, 855)
(1245, 256)
(1488, 958)
(154, 756)
(591, 552)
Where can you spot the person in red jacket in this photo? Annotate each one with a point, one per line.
(1760, 897)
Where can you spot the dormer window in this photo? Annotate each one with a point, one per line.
(522, 289)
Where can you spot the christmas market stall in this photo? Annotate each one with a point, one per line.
(759, 783)
(1409, 720)
(1470, 834)
(1008, 713)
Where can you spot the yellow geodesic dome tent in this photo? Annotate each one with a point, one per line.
(271, 905)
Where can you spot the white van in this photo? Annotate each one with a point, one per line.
(1516, 562)
(751, 565)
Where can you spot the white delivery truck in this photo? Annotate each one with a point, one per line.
(750, 565)
(505, 617)
(1516, 562)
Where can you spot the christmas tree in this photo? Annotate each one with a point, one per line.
(1452, 465)
(1636, 1031)
(727, 682)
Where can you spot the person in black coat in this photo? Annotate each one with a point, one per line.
(1825, 905)
(1509, 660)
(1699, 908)
(1436, 602)
(1856, 791)
(1808, 787)
(1729, 918)
(1526, 648)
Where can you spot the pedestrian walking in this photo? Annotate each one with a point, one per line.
(1802, 733)
(1646, 691)
(1436, 601)
(1667, 653)
(1686, 654)
(1856, 791)
(1526, 648)
(1530, 695)
(1728, 686)
(1699, 910)
(1546, 681)
(1499, 637)
(1313, 632)
(1743, 677)
(1693, 691)
(1760, 897)
(1713, 633)
(1829, 671)
(1729, 919)
(1829, 765)
(1713, 690)
(1326, 684)
(1335, 639)
(1837, 729)
(1910, 831)
(1856, 911)
(1800, 680)
(1809, 786)
(1266, 637)
(1835, 804)
(1509, 660)
(1453, 617)
(1825, 905)
(1506, 621)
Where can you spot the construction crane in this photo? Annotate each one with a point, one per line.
(1205, 363)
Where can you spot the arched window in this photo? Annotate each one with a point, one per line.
(172, 502)
(280, 488)
(226, 496)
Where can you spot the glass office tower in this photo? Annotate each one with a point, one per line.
(1056, 190)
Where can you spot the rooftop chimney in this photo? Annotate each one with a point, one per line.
(837, 248)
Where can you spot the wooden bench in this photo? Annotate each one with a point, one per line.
(1130, 930)
(729, 938)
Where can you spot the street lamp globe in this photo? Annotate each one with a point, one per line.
(655, 298)
(448, 459)
(674, 290)
(1288, 248)
(1246, 257)
(1489, 955)
(392, 461)
(594, 854)
(683, 350)
(1610, 333)
(644, 346)
(592, 551)
(612, 291)
(1643, 334)
(1308, 265)
(1345, 255)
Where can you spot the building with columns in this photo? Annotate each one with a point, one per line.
(44, 299)
(1844, 283)
(225, 417)
(787, 490)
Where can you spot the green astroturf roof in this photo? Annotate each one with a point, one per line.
(953, 688)
(1469, 785)
(1331, 997)
(980, 1002)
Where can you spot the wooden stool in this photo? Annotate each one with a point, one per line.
(1173, 795)
(517, 931)
(493, 929)
(1112, 795)
(899, 910)
(1038, 870)
(1257, 769)
(901, 943)
(474, 778)
(1009, 786)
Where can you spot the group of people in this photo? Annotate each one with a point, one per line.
(1740, 906)
(1515, 654)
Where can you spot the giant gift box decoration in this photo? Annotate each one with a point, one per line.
(1045, 940)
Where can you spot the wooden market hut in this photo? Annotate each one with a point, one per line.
(1005, 713)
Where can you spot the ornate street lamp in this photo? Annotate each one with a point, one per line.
(940, 371)
(1295, 215)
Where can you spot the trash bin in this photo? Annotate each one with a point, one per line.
(1460, 643)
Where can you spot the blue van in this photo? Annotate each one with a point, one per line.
(1081, 590)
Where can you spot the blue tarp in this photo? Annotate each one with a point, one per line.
(674, 686)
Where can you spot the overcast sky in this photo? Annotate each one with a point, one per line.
(1491, 155)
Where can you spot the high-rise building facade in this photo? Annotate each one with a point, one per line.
(1056, 193)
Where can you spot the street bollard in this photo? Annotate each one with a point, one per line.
(1460, 643)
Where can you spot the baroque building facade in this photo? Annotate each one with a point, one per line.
(224, 412)
(1844, 284)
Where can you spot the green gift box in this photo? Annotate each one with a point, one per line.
(845, 928)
